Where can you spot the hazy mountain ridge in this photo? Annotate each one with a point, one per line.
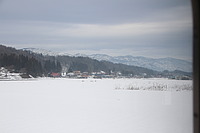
(159, 64)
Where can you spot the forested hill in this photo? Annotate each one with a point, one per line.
(26, 62)
(86, 64)
(40, 65)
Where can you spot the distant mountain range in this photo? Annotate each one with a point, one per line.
(160, 64)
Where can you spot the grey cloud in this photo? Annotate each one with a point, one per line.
(86, 11)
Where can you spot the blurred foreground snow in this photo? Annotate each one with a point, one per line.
(96, 106)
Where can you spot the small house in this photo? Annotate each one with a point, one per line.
(55, 74)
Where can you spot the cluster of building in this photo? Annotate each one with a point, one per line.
(7, 75)
(84, 75)
(102, 74)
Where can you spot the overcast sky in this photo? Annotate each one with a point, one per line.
(150, 28)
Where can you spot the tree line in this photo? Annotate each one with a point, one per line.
(28, 65)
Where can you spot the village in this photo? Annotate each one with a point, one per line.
(103, 75)
(5, 74)
(85, 75)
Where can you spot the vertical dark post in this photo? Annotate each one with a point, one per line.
(195, 8)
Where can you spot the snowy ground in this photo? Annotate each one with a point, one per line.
(96, 106)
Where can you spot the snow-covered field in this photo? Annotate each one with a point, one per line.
(96, 106)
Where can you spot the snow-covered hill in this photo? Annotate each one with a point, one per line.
(52, 53)
(159, 64)
(41, 51)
